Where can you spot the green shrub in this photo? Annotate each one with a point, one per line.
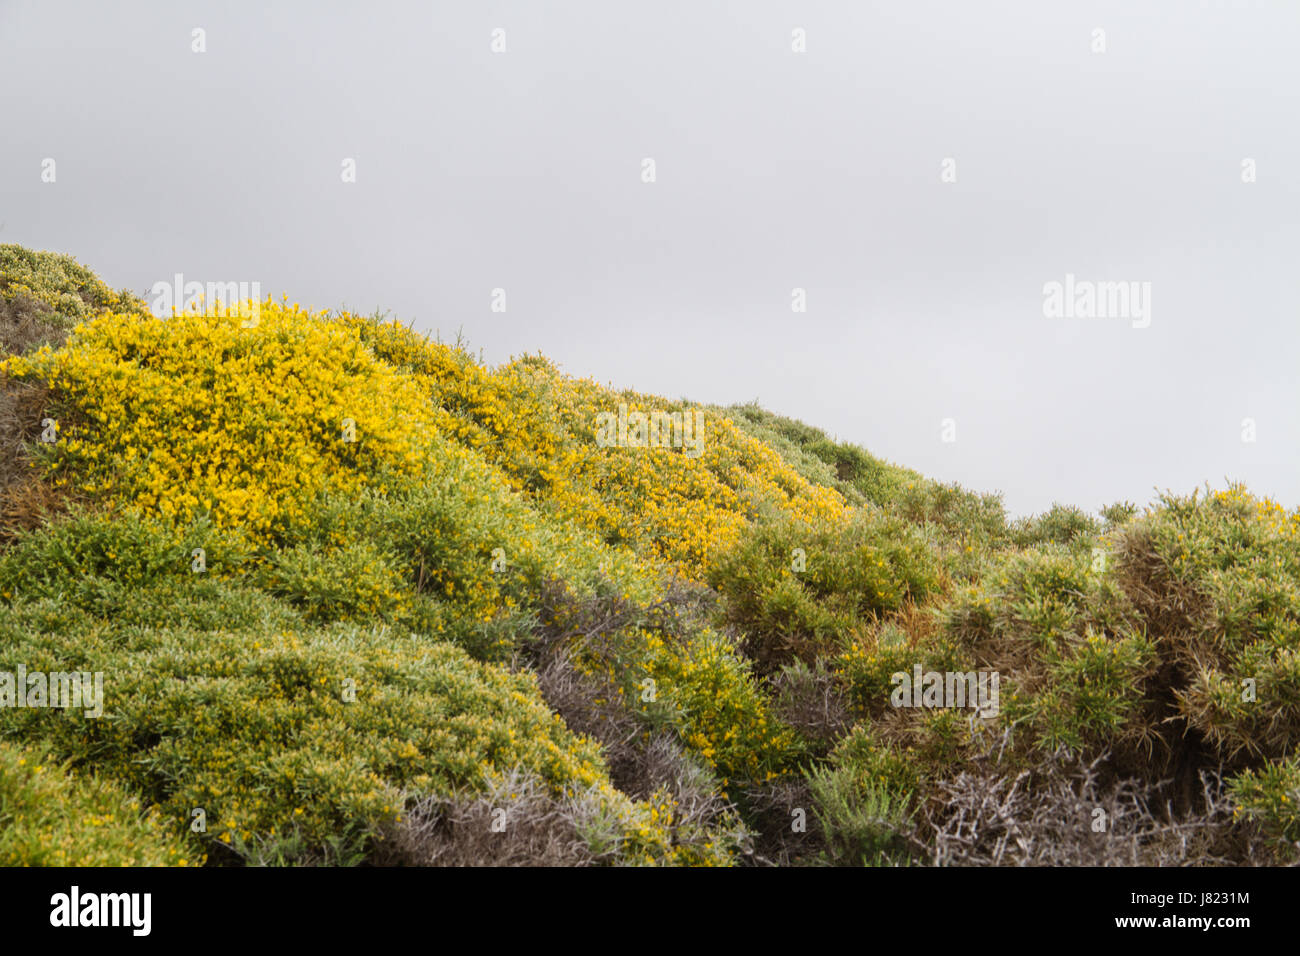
(1270, 796)
(50, 818)
(963, 516)
(464, 557)
(1218, 580)
(1118, 514)
(69, 289)
(1062, 524)
(850, 574)
(322, 733)
(866, 669)
(355, 582)
(864, 754)
(1092, 694)
(857, 474)
(862, 805)
(84, 556)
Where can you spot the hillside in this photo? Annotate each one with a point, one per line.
(357, 597)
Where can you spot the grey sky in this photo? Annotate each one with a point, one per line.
(775, 170)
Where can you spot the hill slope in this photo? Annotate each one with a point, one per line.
(355, 596)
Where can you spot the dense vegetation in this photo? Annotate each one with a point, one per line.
(359, 598)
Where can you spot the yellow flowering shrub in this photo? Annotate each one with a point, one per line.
(540, 427)
(198, 414)
(725, 717)
(464, 490)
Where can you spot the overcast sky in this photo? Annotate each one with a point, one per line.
(774, 170)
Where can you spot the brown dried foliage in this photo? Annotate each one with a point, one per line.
(1069, 811)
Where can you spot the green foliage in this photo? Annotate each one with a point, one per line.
(464, 557)
(960, 515)
(92, 559)
(320, 731)
(721, 712)
(865, 756)
(1219, 577)
(365, 649)
(50, 818)
(1270, 796)
(353, 582)
(796, 590)
(1063, 524)
(867, 665)
(853, 471)
(864, 821)
(1025, 600)
(1092, 693)
(1118, 514)
(69, 289)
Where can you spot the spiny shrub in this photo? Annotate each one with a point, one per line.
(869, 660)
(863, 801)
(1174, 651)
(863, 822)
(961, 515)
(1088, 696)
(1073, 655)
(1117, 515)
(866, 754)
(1268, 796)
(1063, 524)
(794, 590)
(1218, 581)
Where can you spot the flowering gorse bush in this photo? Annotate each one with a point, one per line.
(540, 428)
(197, 414)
